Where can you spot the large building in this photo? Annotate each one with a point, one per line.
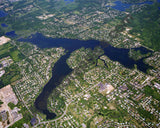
(105, 88)
(8, 114)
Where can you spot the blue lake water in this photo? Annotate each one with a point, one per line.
(2, 13)
(4, 25)
(120, 6)
(69, 1)
(61, 69)
(123, 6)
(11, 34)
(158, 2)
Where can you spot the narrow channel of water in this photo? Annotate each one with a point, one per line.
(59, 71)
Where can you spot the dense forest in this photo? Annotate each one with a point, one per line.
(146, 25)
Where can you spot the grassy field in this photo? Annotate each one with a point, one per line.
(15, 55)
(12, 73)
(10, 50)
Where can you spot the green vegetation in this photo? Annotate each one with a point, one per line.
(136, 55)
(1, 32)
(11, 105)
(134, 1)
(5, 50)
(57, 103)
(1, 102)
(10, 50)
(20, 123)
(114, 114)
(100, 62)
(16, 55)
(12, 73)
(151, 92)
(146, 26)
(26, 116)
(146, 114)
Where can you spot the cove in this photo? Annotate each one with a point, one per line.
(61, 69)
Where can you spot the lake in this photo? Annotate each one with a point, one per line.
(69, 1)
(2, 13)
(4, 25)
(61, 69)
(11, 34)
(123, 6)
